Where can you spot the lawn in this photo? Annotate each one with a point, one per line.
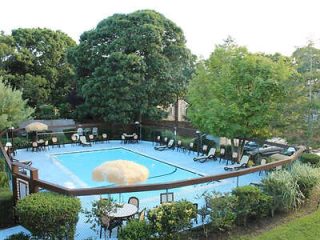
(304, 228)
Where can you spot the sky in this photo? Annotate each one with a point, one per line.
(261, 25)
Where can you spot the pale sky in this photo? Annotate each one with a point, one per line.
(261, 25)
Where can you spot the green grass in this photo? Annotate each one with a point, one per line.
(304, 228)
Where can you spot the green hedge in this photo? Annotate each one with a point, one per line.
(49, 215)
(18, 236)
(6, 208)
(312, 159)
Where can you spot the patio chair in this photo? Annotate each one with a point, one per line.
(75, 139)
(35, 146)
(105, 137)
(158, 140)
(134, 201)
(135, 138)
(83, 141)
(25, 162)
(211, 155)
(179, 145)
(191, 146)
(165, 147)
(91, 138)
(243, 164)
(95, 131)
(204, 149)
(263, 162)
(80, 131)
(166, 197)
(222, 154)
(55, 141)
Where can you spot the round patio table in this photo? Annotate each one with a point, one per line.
(124, 211)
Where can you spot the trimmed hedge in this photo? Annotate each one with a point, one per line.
(49, 215)
(6, 208)
(312, 159)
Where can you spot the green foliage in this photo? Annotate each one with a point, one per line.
(135, 230)
(310, 158)
(21, 142)
(47, 111)
(238, 94)
(18, 236)
(170, 218)
(6, 208)
(13, 109)
(252, 203)
(4, 180)
(49, 215)
(34, 61)
(139, 62)
(100, 209)
(283, 189)
(223, 211)
(306, 177)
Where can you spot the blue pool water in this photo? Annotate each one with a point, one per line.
(81, 164)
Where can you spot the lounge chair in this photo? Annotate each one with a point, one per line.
(83, 141)
(25, 162)
(211, 155)
(165, 147)
(243, 164)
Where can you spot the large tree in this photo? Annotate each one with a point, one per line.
(13, 109)
(130, 65)
(240, 95)
(34, 60)
(307, 61)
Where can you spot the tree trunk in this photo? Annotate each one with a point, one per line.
(176, 112)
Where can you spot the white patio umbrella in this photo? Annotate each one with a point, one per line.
(36, 127)
(121, 172)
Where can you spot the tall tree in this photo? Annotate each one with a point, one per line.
(13, 109)
(34, 60)
(239, 95)
(307, 61)
(129, 65)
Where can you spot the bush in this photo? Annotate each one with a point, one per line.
(312, 159)
(252, 202)
(4, 180)
(18, 236)
(170, 218)
(306, 177)
(49, 215)
(21, 142)
(223, 214)
(6, 208)
(283, 189)
(135, 230)
(68, 133)
(2, 165)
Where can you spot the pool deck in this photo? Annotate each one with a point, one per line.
(50, 171)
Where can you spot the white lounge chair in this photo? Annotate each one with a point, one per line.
(83, 141)
(211, 155)
(164, 147)
(243, 164)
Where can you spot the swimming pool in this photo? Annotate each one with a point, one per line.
(81, 165)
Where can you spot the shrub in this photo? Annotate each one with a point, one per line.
(6, 208)
(306, 177)
(223, 213)
(69, 132)
(49, 215)
(252, 202)
(2, 165)
(135, 230)
(18, 236)
(312, 159)
(283, 189)
(4, 180)
(21, 142)
(170, 218)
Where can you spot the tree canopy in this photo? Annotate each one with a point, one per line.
(131, 64)
(238, 94)
(13, 109)
(34, 61)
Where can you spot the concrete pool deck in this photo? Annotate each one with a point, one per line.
(50, 171)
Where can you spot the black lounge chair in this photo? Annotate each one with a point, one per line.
(211, 155)
(165, 147)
